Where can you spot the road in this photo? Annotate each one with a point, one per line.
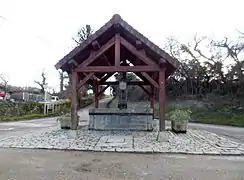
(18, 128)
(236, 133)
(17, 164)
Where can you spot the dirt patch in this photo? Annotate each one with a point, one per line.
(86, 167)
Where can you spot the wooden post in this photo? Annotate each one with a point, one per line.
(95, 84)
(152, 97)
(74, 101)
(117, 50)
(161, 100)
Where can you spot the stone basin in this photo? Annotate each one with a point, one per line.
(120, 119)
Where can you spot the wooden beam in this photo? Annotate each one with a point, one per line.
(152, 97)
(84, 80)
(74, 101)
(117, 50)
(106, 77)
(137, 53)
(118, 69)
(139, 45)
(151, 80)
(128, 83)
(144, 76)
(96, 46)
(144, 89)
(72, 61)
(95, 89)
(162, 100)
(104, 89)
(86, 74)
(97, 53)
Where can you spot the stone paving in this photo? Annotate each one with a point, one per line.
(193, 142)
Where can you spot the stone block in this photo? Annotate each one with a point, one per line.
(104, 119)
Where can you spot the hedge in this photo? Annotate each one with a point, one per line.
(29, 110)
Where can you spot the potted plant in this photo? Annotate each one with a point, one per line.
(65, 121)
(179, 120)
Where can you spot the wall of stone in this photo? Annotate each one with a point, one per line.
(121, 121)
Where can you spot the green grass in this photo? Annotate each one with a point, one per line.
(210, 116)
(24, 117)
(216, 118)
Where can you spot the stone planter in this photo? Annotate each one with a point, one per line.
(179, 126)
(65, 122)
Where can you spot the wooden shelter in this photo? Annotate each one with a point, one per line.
(118, 47)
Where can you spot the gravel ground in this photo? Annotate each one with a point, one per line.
(193, 142)
(72, 165)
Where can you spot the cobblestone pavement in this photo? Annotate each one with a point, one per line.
(193, 142)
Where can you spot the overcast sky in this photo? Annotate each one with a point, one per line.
(36, 34)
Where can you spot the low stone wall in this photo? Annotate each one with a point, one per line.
(116, 119)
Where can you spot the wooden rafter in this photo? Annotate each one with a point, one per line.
(94, 55)
(97, 46)
(84, 80)
(137, 53)
(118, 69)
(117, 50)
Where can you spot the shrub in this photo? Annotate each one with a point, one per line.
(180, 115)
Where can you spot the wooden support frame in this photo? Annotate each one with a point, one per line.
(74, 102)
(118, 69)
(83, 81)
(162, 100)
(97, 46)
(152, 96)
(95, 89)
(117, 50)
(94, 55)
(144, 89)
(137, 53)
(147, 77)
(106, 77)
(128, 83)
(72, 61)
(102, 91)
(151, 80)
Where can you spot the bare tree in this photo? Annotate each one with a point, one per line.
(4, 82)
(42, 83)
(62, 77)
(83, 34)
